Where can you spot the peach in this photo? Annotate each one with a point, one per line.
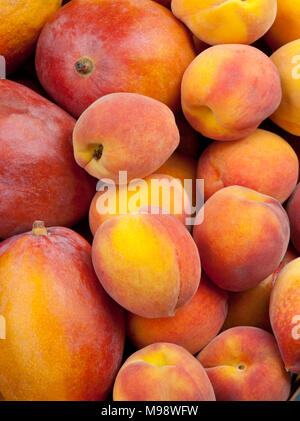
(192, 327)
(39, 178)
(287, 61)
(182, 167)
(148, 263)
(243, 237)
(262, 161)
(293, 210)
(161, 191)
(244, 364)
(162, 372)
(226, 22)
(285, 314)
(286, 26)
(124, 132)
(64, 335)
(251, 307)
(228, 90)
(113, 46)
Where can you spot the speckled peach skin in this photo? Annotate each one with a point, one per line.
(148, 263)
(251, 307)
(243, 237)
(244, 364)
(228, 90)
(39, 178)
(129, 45)
(226, 21)
(285, 314)
(293, 211)
(262, 161)
(192, 327)
(124, 125)
(162, 372)
(287, 61)
(286, 26)
(157, 190)
(64, 335)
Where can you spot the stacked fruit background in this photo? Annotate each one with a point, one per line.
(103, 296)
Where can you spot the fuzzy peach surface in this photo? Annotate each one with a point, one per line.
(262, 161)
(285, 314)
(120, 126)
(243, 237)
(192, 327)
(148, 263)
(64, 335)
(293, 210)
(228, 90)
(20, 25)
(226, 21)
(244, 364)
(162, 372)
(160, 191)
(287, 61)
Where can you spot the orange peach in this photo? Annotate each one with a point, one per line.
(285, 314)
(286, 26)
(162, 372)
(293, 210)
(287, 61)
(243, 237)
(148, 263)
(244, 364)
(226, 22)
(262, 161)
(124, 132)
(64, 336)
(192, 327)
(251, 307)
(161, 191)
(228, 90)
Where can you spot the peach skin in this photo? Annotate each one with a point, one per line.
(293, 211)
(251, 307)
(226, 21)
(243, 238)
(228, 90)
(120, 126)
(161, 191)
(148, 263)
(286, 26)
(192, 327)
(244, 364)
(287, 61)
(262, 161)
(64, 335)
(92, 48)
(285, 314)
(162, 372)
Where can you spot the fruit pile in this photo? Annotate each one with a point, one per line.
(122, 275)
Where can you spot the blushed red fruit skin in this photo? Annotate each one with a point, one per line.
(136, 46)
(192, 327)
(71, 342)
(293, 211)
(39, 178)
(264, 378)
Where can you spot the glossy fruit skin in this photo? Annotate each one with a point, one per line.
(64, 335)
(39, 178)
(125, 47)
(20, 27)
